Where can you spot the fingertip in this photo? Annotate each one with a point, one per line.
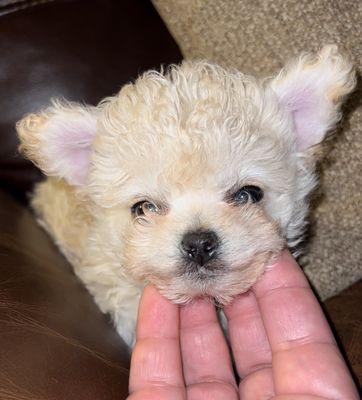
(242, 303)
(157, 316)
(285, 259)
(285, 272)
(197, 312)
(150, 293)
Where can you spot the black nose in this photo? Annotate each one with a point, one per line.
(200, 246)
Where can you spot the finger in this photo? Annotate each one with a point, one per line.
(205, 353)
(301, 341)
(258, 385)
(298, 397)
(248, 339)
(250, 346)
(212, 391)
(289, 309)
(156, 370)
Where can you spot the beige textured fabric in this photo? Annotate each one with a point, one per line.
(257, 37)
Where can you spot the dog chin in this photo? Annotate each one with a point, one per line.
(211, 284)
(218, 281)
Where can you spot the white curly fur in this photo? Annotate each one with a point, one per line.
(183, 139)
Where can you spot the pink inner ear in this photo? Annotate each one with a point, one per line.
(70, 147)
(79, 162)
(309, 123)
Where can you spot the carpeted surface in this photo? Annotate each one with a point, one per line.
(257, 37)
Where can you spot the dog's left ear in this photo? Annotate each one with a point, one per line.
(59, 140)
(312, 89)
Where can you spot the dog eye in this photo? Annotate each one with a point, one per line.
(248, 193)
(144, 207)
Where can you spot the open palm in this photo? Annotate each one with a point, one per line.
(281, 342)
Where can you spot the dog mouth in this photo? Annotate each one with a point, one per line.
(217, 279)
(195, 272)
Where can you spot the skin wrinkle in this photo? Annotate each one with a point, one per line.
(182, 137)
(263, 391)
(219, 391)
(156, 358)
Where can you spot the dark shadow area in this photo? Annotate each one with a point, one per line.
(77, 49)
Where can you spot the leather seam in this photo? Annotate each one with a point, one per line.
(19, 5)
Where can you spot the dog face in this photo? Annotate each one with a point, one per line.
(196, 178)
(192, 174)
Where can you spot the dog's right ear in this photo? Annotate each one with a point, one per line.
(59, 140)
(311, 90)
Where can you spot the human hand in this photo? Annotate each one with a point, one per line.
(281, 342)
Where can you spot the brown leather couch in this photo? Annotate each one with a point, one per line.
(54, 342)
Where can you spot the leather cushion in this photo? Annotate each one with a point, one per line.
(55, 343)
(80, 50)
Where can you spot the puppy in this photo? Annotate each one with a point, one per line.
(192, 179)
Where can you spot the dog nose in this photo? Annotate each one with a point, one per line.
(200, 246)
